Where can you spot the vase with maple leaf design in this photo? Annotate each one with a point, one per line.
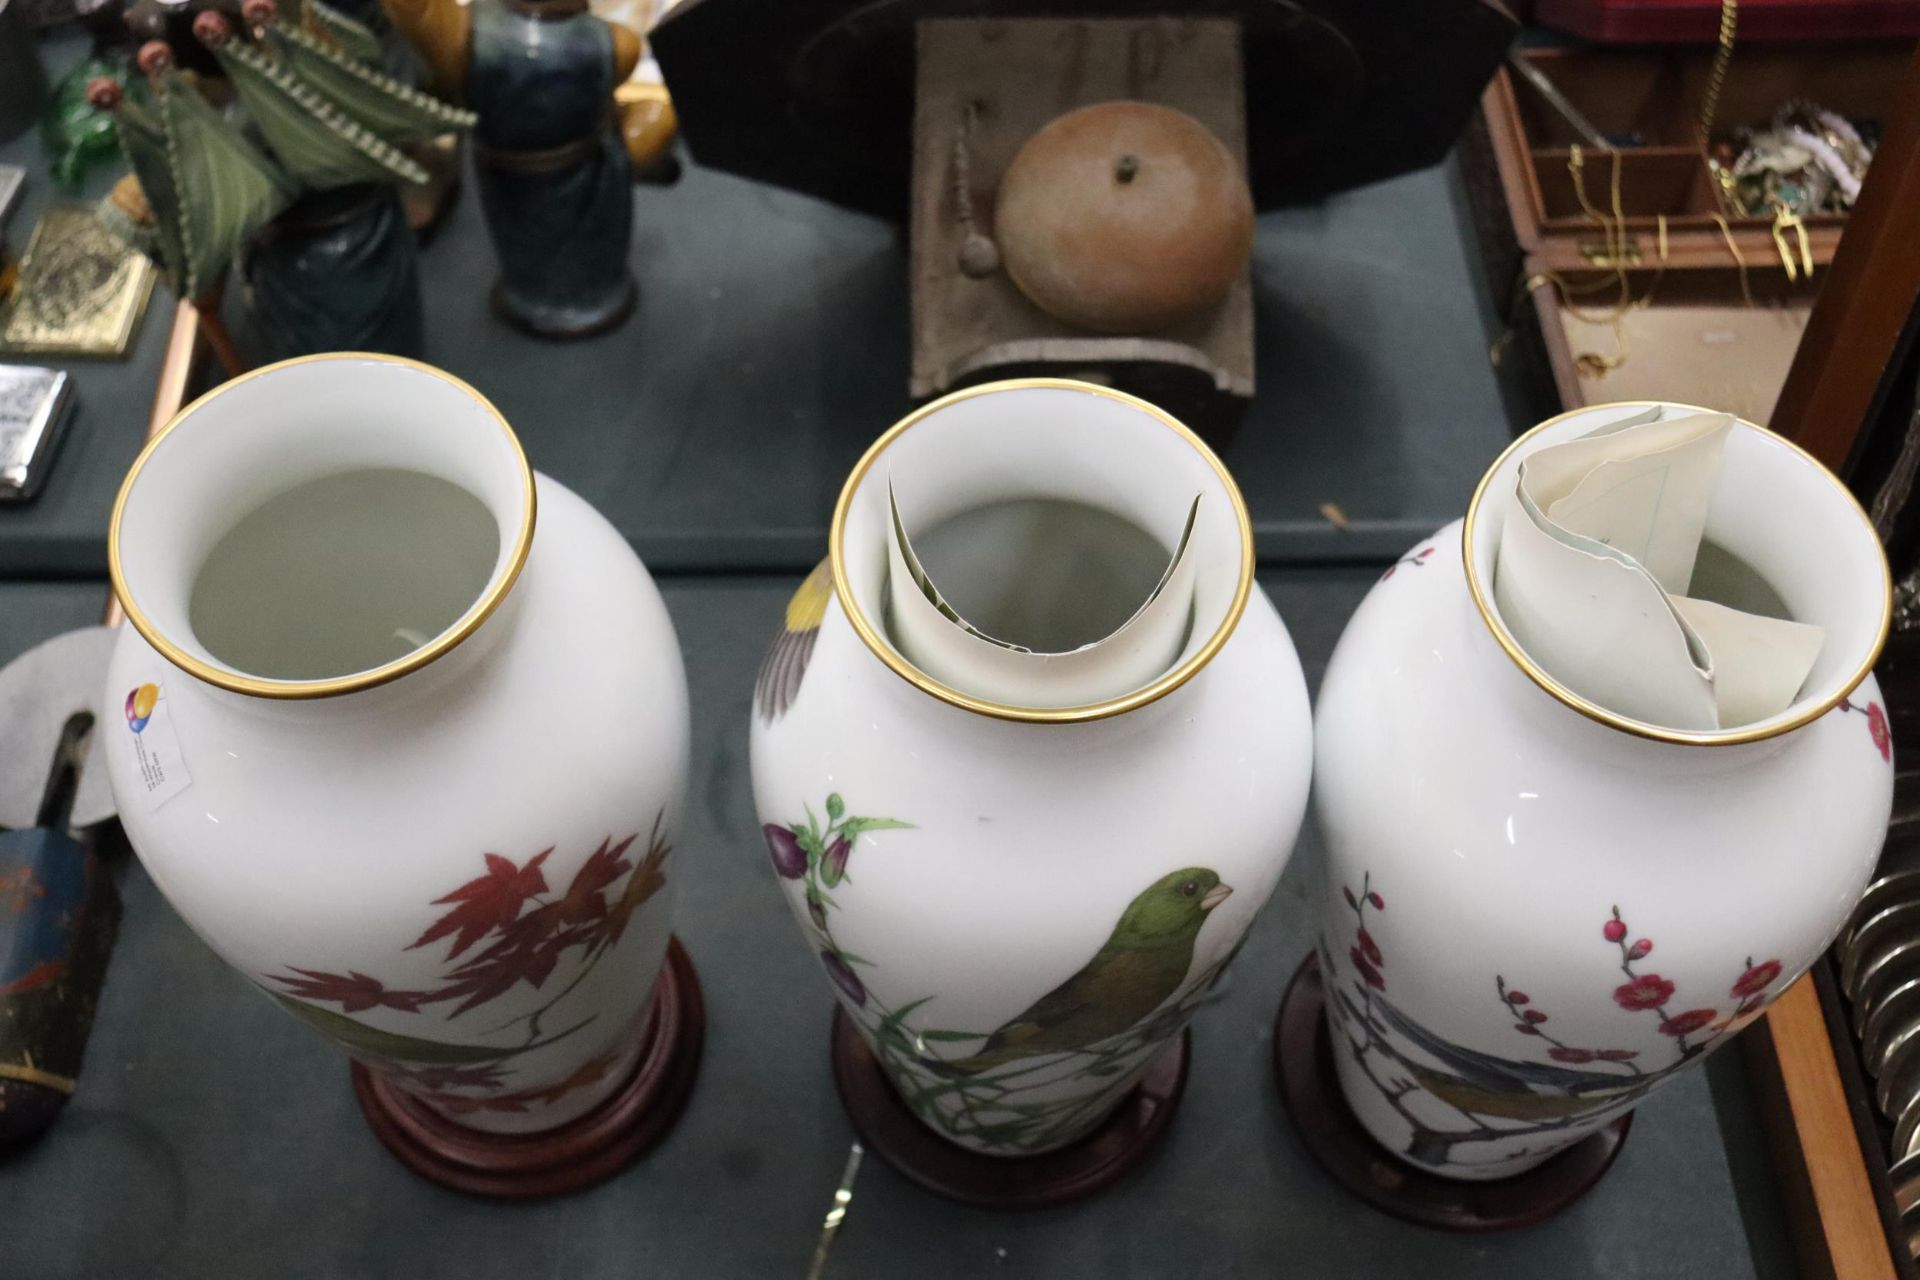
(452, 855)
(1535, 910)
(1020, 904)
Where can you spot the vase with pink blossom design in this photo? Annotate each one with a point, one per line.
(1535, 910)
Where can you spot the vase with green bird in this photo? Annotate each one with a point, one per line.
(1020, 897)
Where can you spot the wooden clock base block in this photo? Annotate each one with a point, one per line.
(575, 1155)
(1303, 1059)
(889, 1129)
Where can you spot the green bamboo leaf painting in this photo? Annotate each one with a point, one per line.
(900, 1014)
(858, 826)
(403, 1050)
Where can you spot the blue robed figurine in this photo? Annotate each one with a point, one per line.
(553, 171)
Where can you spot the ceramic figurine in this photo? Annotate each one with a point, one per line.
(551, 166)
(336, 268)
(427, 797)
(1537, 910)
(1020, 905)
(442, 32)
(296, 186)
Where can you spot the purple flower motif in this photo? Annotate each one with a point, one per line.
(833, 866)
(789, 859)
(844, 977)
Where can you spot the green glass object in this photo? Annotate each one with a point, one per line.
(76, 134)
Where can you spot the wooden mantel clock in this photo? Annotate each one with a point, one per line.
(1079, 179)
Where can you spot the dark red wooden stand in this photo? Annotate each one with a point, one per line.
(579, 1154)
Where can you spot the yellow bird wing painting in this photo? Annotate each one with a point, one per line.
(786, 661)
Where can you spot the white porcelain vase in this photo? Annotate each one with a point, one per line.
(456, 863)
(1535, 911)
(1019, 904)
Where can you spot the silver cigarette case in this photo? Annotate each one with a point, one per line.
(35, 404)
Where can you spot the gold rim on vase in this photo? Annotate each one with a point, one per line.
(334, 686)
(1153, 691)
(1482, 601)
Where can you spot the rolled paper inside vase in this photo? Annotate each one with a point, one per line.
(1044, 568)
(1596, 556)
(1047, 512)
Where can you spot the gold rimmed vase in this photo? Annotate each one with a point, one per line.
(1019, 890)
(1537, 910)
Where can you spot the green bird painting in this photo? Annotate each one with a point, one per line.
(1141, 964)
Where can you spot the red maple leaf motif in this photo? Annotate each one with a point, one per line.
(582, 903)
(486, 1076)
(486, 903)
(647, 879)
(353, 992)
(589, 1072)
(527, 951)
(516, 944)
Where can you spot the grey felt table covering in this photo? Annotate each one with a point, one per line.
(771, 344)
(212, 1137)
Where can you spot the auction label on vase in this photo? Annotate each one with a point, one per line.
(157, 761)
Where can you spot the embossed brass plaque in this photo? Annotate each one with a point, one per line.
(81, 290)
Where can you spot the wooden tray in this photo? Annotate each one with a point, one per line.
(1653, 95)
(1715, 314)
